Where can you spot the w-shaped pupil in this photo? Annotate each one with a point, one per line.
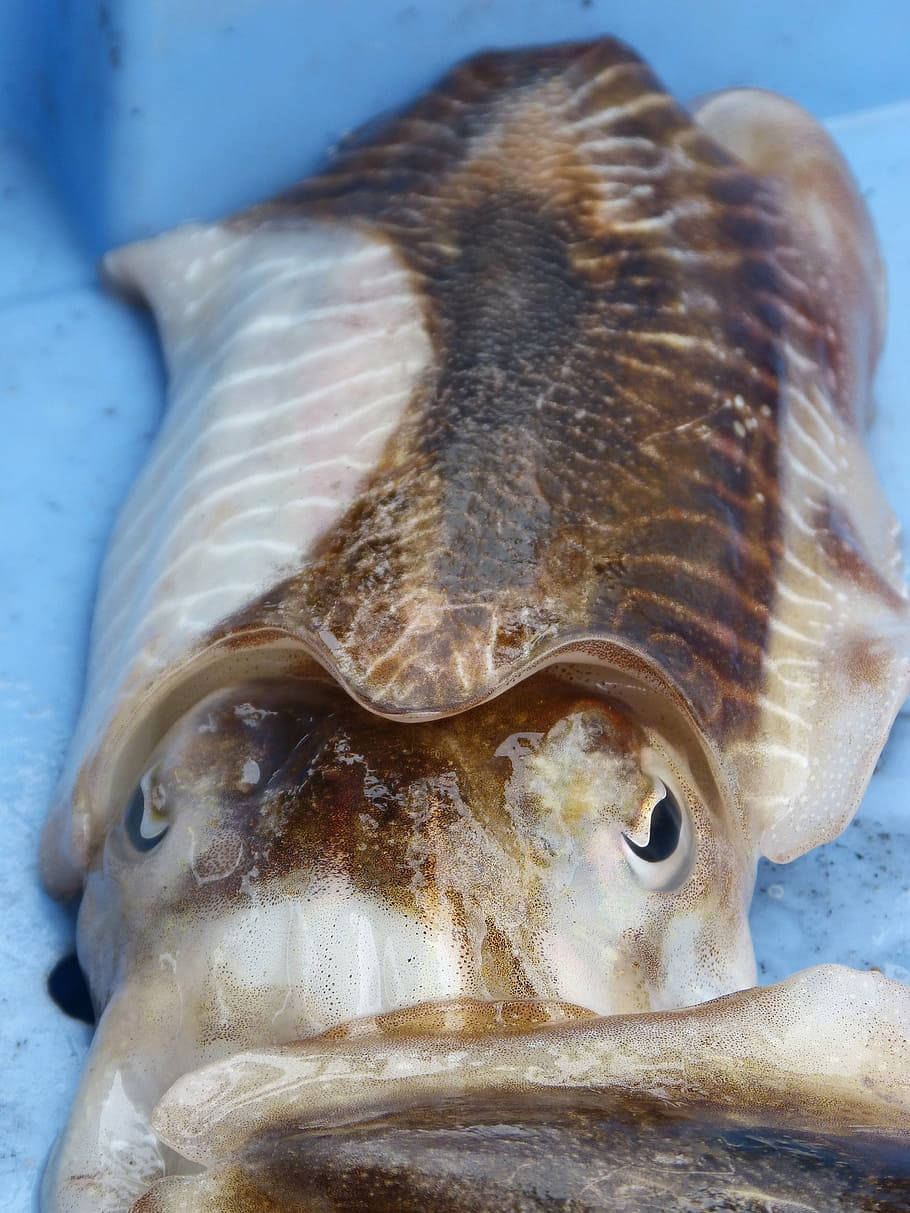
(666, 824)
(134, 820)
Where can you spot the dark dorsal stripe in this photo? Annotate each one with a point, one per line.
(596, 446)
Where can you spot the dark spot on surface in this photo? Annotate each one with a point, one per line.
(69, 990)
(114, 53)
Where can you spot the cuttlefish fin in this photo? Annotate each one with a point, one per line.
(837, 667)
(776, 138)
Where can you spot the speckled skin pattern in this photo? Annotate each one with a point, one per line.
(508, 575)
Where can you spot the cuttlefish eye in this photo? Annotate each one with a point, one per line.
(663, 861)
(144, 821)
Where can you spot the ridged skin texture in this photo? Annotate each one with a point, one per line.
(507, 576)
(537, 368)
(600, 284)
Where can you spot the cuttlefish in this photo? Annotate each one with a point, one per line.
(508, 576)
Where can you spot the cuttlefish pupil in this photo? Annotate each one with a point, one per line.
(666, 830)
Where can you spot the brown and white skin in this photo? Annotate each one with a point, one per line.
(507, 576)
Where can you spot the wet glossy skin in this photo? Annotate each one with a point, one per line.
(543, 375)
(577, 334)
(484, 855)
(288, 863)
(542, 367)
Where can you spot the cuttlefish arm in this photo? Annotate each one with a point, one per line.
(827, 1046)
(806, 1064)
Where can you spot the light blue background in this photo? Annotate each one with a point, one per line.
(118, 119)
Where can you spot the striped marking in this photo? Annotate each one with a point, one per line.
(238, 482)
(785, 629)
(602, 80)
(644, 103)
(253, 418)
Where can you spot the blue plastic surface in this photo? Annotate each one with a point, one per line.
(150, 113)
(117, 119)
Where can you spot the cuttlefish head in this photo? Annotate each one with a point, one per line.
(339, 865)
(290, 864)
(310, 916)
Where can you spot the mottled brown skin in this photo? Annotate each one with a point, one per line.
(846, 552)
(566, 1152)
(340, 788)
(566, 341)
(415, 815)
